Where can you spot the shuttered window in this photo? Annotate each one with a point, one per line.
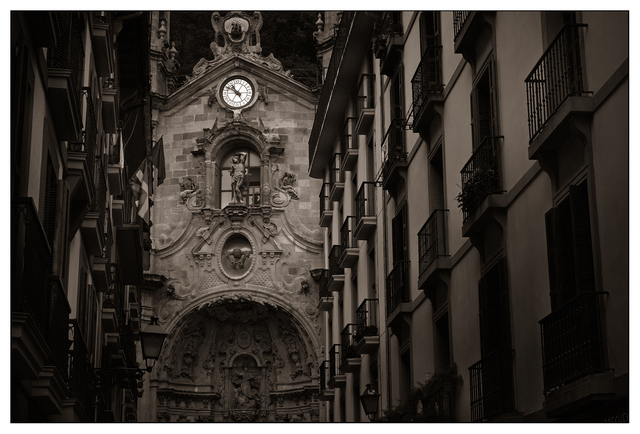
(429, 30)
(399, 236)
(495, 317)
(569, 247)
(484, 110)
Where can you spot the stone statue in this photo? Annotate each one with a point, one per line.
(237, 257)
(189, 188)
(238, 172)
(247, 388)
(285, 183)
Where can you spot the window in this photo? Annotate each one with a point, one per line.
(484, 110)
(495, 321)
(429, 30)
(399, 236)
(251, 190)
(569, 247)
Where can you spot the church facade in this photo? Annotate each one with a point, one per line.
(235, 240)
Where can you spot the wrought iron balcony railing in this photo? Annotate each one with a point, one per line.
(68, 54)
(329, 80)
(324, 284)
(491, 385)
(335, 174)
(335, 358)
(427, 79)
(572, 341)
(334, 261)
(347, 141)
(367, 318)
(432, 239)
(459, 17)
(481, 175)
(439, 404)
(325, 203)
(347, 240)
(365, 94)
(393, 148)
(80, 369)
(389, 26)
(556, 77)
(348, 350)
(365, 201)
(398, 285)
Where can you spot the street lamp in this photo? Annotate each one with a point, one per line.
(369, 400)
(151, 340)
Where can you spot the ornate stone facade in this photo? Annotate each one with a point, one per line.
(238, 299)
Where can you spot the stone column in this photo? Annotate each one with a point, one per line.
(265, 185)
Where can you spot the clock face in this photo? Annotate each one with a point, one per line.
(237, 92)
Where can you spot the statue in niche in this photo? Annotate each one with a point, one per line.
(294, 356)
(187, 360)
(238, 172)
(238, 256)
(247, 387)
(189, 188)
(285, 183)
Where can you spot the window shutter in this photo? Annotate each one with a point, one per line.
(473, 98)
(82, 301)
(552, 258)
(482, 302)
(484, 115)
(505, 311)
(582, 247)
(493, 99)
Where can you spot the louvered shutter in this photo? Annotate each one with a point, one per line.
(482, 315)
(493, 100)
(582, 247)
(82, 302)
(505, 311)
(49, 210)
(473, 98)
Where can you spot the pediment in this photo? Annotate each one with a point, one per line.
(256, 67)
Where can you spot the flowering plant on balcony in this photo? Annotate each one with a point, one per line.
(475, 189)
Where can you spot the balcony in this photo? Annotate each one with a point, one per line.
(65, 104)
(480, 178)
(326, 393)
(433, 251)
(426, 89)
(397, 288)
(102, 41)
(573, 365)
(101, 273)
(336, 273)
(79, 370)
(467, 28)
(365, 104)
(349, 357)
(326, 206)
(336, 178)
(388, 42)
(394, 156)
(350, 249)
(129, 245)
(110, 105)
(555, 90)
(365, 211)
(336, 377)
(325, 295)
(367, 335)
(491, 386)
(348, 145)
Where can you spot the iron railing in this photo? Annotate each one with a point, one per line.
(432, 239)
(481, 175)
(347, 141)
(324, 284)
(398, 285)
(572, 341)
(427, 79)
(334, 261)
(348, 241)
(365, 200)
(556, 77)
(389, 26)
(57, 324)
(367, 318)
(393, 146)
(325, 203)
(68, 54)
(330, 77)
(439, 404)
(335, 358)
(365, 94)
(459, 17)
(335, 174)
(79, 370)
(349, 342)
(491, 385)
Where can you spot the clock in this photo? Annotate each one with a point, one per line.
(237, 92)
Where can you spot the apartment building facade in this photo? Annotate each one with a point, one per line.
(475, 206)
(79, 130)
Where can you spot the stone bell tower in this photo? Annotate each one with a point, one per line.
(235, 235)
